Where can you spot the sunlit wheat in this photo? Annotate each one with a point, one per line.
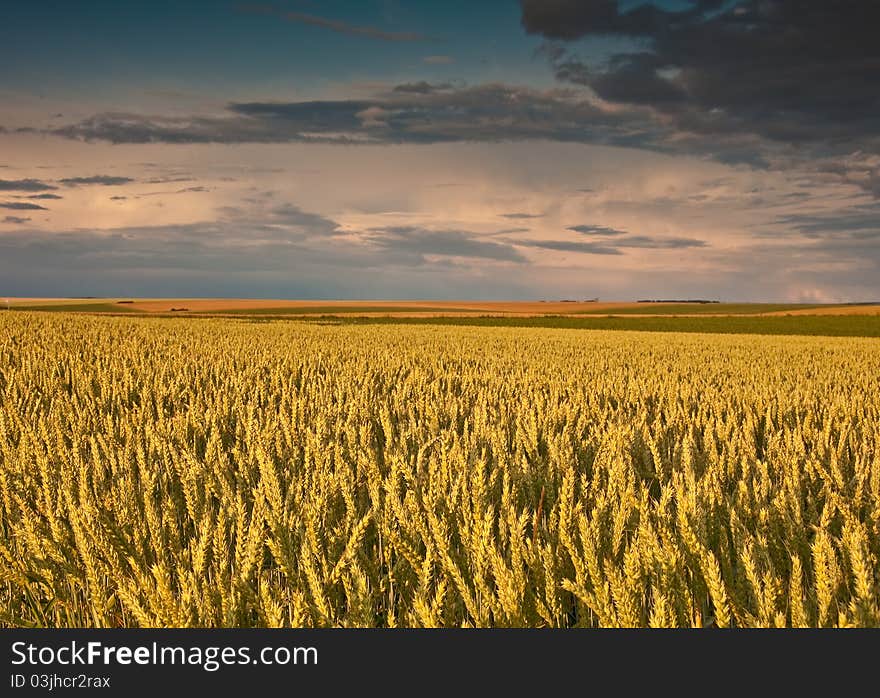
(170, 472)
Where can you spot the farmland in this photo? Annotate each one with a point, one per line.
(232, 472)
(854, 320)
(841, 325)
(849, 320)
(378, 308)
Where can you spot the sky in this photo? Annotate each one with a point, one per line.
(391, 149)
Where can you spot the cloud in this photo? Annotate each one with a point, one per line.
(438, 60)
(102, 180)
(167, 180)
(118, 198)
(333, 24)
(658, 243)
(352, 29)
(218, 245)
(858, 222)
(239, 238)
(22, 206)
(422, 87)
(15, 220)
(283, 251)
(617, 238)
(24, 185)
(373, 117)
(572, 246)
(421, 243)
(596, 230)
(312, 223)
(203, 261)
(798, 73)
(418, 113)
(185, 190)
(44, 196)
(266, 249)
(616, 245)
(521, 216)
(573, 19)
(859, 169)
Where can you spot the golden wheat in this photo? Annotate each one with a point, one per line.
(167, 472)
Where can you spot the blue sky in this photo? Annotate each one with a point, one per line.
(93, 45)
(499, 149)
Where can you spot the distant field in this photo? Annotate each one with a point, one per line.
(715, 318)
(514, 309)
(819, 325)
(76, 307)
(332, 310)
(702, 309)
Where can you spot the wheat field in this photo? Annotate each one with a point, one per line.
(171, 472)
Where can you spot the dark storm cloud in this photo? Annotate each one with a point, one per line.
(450, 243)
(24, 185)
(101, 180)
(573, 19)
(15, 220)
(488, 113)
(636, 74)
(22, 206)
(596, 230)
(790, 71)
